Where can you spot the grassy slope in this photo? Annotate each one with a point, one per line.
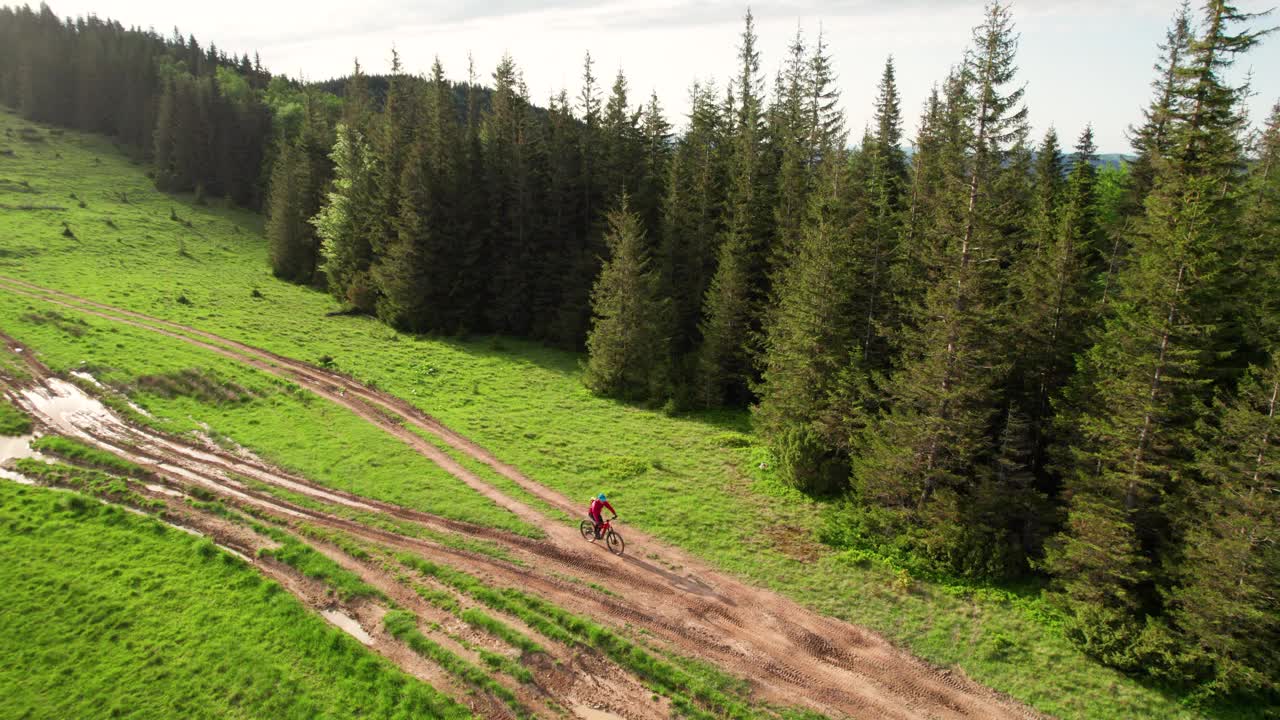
(680, 478)
(12, 420)
(112, 615)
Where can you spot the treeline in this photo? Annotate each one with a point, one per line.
(197, 114)
(456, 209)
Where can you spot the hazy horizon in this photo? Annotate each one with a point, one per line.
(1082, 61)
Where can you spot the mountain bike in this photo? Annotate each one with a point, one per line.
(612, 539)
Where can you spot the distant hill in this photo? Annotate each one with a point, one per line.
(1114, 159)
(1109, 160)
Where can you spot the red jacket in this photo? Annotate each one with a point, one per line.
(596, 504)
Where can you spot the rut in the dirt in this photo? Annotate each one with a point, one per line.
(791, 655)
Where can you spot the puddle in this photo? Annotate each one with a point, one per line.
(348, 625)
(63, 403)
(15, 477)
(86, 377)
(590, 713)
(12, 448)
(165, 490)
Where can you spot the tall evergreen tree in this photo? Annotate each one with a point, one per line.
(810, 346)
(290, 238)
(735, 298)
(885, 183)
(625, 353)
(1227, 600)
(825, 116)
(655, 151)
(692, 221)
(1151, 140)
(1053, 294)
(1147, 379)
(508, 181)
(793, 134)
(345, 222)
(922, 460)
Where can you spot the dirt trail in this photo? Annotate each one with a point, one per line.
(789, 654)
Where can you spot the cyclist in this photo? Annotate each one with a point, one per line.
(596, 511)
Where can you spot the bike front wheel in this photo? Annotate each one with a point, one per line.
(615, 543)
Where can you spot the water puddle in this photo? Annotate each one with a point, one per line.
(13, 448)
(165, 490)
(590, 713)
(86, 377)
(66, 406)
(348, 625)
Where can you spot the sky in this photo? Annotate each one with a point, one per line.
(1082, 61)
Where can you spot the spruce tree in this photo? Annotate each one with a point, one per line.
(508, 183)
(656, 151)
(921, 461)
(810, 345)
(1144, 385)
(692, 221)
(625, 352)
(1053, 293)
(1048, 183)
(735, 299)
(620, 143)
(826, 119)
(885, 182)
(793, 134)
(420, 272)
(1227, 601)
(1260, 261)
(345, 222)
(290, 237)
(1151, 140)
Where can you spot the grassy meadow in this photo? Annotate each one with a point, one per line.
(95, 227)
(109, 614)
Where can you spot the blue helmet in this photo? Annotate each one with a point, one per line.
(601, 497)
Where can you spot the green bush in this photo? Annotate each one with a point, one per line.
(805, 463)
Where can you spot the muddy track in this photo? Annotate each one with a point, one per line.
(789, 654)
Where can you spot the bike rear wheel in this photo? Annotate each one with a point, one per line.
(588, 530)
(615, 543)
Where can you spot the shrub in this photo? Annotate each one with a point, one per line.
(807, 464)
(731, 440)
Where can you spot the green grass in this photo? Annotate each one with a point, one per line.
(12, 420)
(404, 626)
(303, 558)
(111, 614)
(690, 480)
(94, 482)
(82, 454)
